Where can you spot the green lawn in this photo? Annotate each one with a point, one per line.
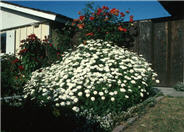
(166, 116)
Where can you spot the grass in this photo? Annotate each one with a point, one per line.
(166, 116)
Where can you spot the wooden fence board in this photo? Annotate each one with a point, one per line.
(160, 51)
(162, 44)
(177, 51)
(145, 35)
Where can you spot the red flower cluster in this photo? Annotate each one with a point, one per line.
(114, 11)
(105, 7)
(50, 45)
(80, 26)
(122, 29)
(99, 11)
(90, 34)
(131, 18)
(82, 18)
(15, 61)
(22, 41)
(91, 18)
(127, 11)
(122, 14)
(58, 55)
(22, 51)
(32, 37)
(21, 68)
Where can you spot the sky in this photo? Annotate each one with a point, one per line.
(139, 9)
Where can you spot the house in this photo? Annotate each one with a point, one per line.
(18, 22)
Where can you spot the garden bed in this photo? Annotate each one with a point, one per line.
(26, 115)
(85, 89)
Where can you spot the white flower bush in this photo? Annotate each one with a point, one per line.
(97, 78)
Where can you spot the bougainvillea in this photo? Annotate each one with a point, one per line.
(106, 24)
(97, 79)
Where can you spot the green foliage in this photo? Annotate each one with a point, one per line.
(179, 86)
(32, 53)
(106, 24)
(12, 77)
(63, 38)
(35, 53)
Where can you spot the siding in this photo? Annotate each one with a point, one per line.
(12, 19)
(40, 31)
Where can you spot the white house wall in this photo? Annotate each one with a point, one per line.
(10, 41)
(12, 19)
(40, 31)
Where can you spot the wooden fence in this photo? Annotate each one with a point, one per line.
(161, 42)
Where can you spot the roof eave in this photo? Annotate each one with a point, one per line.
(29, 11)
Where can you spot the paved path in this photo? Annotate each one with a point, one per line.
(171, 92)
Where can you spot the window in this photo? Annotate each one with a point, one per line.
(3, 43)
(8, 42)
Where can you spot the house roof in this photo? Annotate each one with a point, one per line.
(175, 8)
(35, 12)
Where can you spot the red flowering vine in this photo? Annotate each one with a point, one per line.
(99, 11)
(82, 18)
(122, 29)
(122, 14)
(105, 7)
(114, 11)
(131, 18)
(80, 26)
(92, 18)
(127, 11)
(104, 23)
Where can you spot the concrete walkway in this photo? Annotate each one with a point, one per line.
(170, 92)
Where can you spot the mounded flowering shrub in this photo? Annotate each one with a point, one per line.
(96, 80)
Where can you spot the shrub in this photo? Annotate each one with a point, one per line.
(63, 38)
(12, 76)
(95, 80)
(35, 53)
(179, 86)
(106, 24)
